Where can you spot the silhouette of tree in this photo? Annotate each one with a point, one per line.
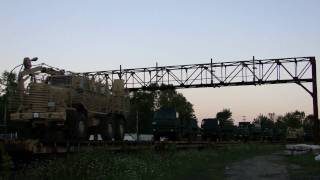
(224, 117)
(264, 122)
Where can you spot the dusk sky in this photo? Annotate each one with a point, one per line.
(101, 35)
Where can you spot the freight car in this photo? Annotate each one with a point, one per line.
(53, 105)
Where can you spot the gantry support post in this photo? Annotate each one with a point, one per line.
(315, 99)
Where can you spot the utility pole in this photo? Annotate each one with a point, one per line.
(137, 125)
(315, 100)
(157, 73)
(211, 71)
(254, 69)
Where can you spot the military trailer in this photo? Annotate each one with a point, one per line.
(54, 105)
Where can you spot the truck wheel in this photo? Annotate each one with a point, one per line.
(121, 131)
(106, 128)
(81, 128)
(120, 128)
(110, 131)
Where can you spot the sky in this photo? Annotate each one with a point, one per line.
(83, 35)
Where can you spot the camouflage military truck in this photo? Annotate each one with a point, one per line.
(54, 105)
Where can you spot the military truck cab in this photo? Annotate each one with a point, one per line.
(165, 124)
(210, 129)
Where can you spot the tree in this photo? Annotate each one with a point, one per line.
(7, 87)
(146, 102)
(280, 124)
(224, 117)
(7, 82)
(294, 119)
(264, 122)
(308, 121)
(170, 98)
(142, 107)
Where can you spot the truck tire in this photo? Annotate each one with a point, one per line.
(107, 128)
(119, 128)
(80, 126)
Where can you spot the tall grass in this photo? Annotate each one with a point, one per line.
(101, 164)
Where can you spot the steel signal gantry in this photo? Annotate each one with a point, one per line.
(298, 70)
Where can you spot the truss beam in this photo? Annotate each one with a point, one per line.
(299, 70)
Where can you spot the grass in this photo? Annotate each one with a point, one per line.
(99, 164)
(308, 168)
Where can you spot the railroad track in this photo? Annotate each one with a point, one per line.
(36, 147)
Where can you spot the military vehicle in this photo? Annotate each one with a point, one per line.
(210, 129)
(54, 105)
(189, 129)
(243, 131)
(166, 123)
(213, 129)
(294, 134)
(226, 130)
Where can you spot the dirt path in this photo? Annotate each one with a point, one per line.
(259, 167)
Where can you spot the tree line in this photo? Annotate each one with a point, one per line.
(143, 105)
(296, 119)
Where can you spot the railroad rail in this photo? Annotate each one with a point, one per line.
(35, 147)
